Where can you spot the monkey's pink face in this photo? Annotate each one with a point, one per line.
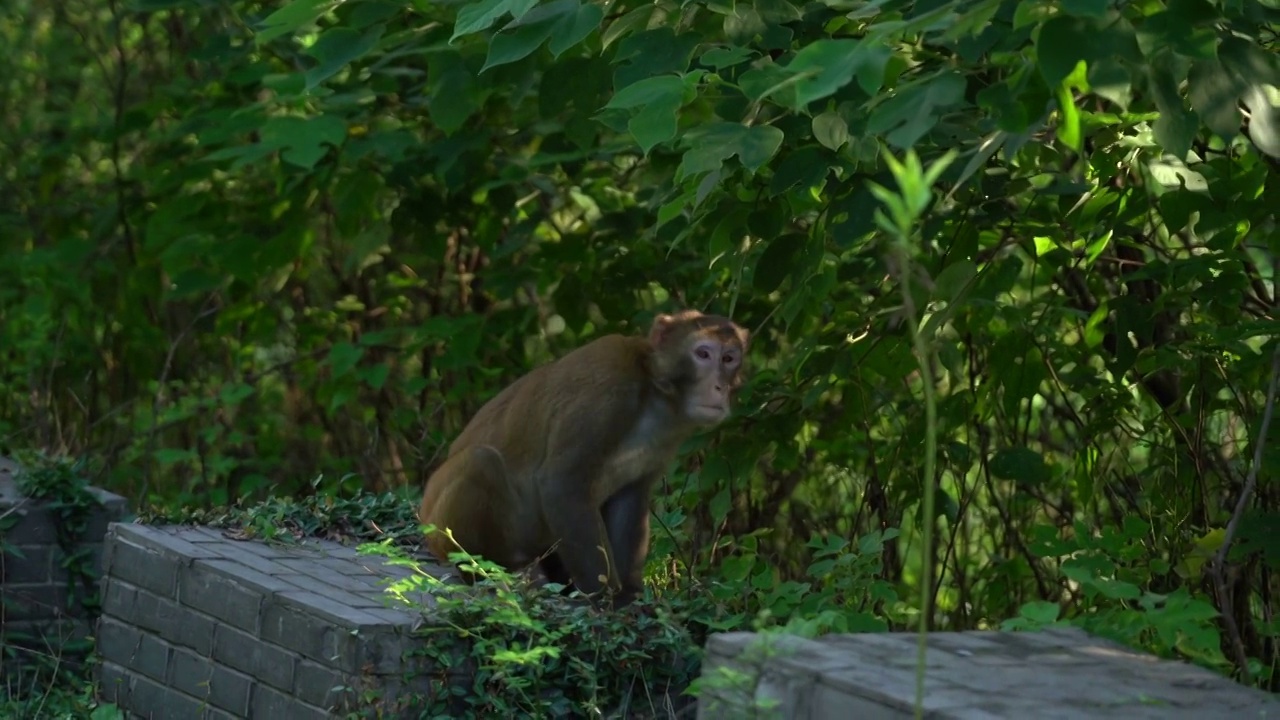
(717, 365)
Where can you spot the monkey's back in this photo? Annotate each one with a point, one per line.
(609, 371)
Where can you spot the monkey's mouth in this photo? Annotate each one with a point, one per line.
(712, 412)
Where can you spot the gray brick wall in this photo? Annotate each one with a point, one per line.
(1060, 673)
(36, 610)
(196, 622)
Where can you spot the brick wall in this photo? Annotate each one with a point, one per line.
(197, 625)
(38, 611)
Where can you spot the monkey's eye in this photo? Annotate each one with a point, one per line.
(702, 353)
(729, 359)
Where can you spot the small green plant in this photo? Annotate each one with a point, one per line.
(527, 651)
(54, 681)
(51, 690)
(1107, 566)
(60, 486)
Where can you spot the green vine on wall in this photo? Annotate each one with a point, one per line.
(60, 487)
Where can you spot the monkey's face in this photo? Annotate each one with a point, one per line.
(715, 363)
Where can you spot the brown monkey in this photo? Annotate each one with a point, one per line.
(560, 464)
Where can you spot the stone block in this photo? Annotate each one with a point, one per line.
(1060, 674)
(270, 664)
(256, 630)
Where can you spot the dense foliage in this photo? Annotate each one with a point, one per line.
(248, 244)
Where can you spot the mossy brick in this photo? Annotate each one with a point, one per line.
(318, 684)
(219, 685)
(268, 703)
(27, 565)
(182, 626)
(268, 663)
(137, 650)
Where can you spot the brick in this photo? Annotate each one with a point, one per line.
(182, 626)
(207, 587)
(268, 703)
(164, 539)
(113, 683)
(27, 565)
(33, 602)
(35, 526)
(253, 579)
(291, 626)
(318, 685)
(114, 508)
(122, 644)
(331, 588)
(250, 560)
(154, 701)
(219, 685)
(190, 673)
(142, 566)
(269, 663)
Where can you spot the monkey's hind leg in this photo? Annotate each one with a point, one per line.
(472, 496)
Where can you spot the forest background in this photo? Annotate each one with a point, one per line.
(1023, 250)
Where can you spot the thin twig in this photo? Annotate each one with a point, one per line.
(1218, 567)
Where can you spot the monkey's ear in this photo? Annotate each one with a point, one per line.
(661, 326)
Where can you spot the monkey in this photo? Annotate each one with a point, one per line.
(557, 468)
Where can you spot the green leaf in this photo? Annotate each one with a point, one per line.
(169, 456)
(655, 124)
(574, 28)
(806, 167)
(777, 261)
(481, 15)
(954, 280)
(759, 145)
(564, 22)
(303, 140)
(508, 47)
(1040, 611)
(1264, 123)
(1176, 127)
(1086, 8)
(336, 48)
(913, 111)
(1068, 130)
(1214, 93)
(723, 57)
(824, 66)
(718, 142)
(650, 90)
(293, 16)
(1186, 28)
(343, 357)
(831, 130)
(1061, 44)
(1022, 465)
(453, 97)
